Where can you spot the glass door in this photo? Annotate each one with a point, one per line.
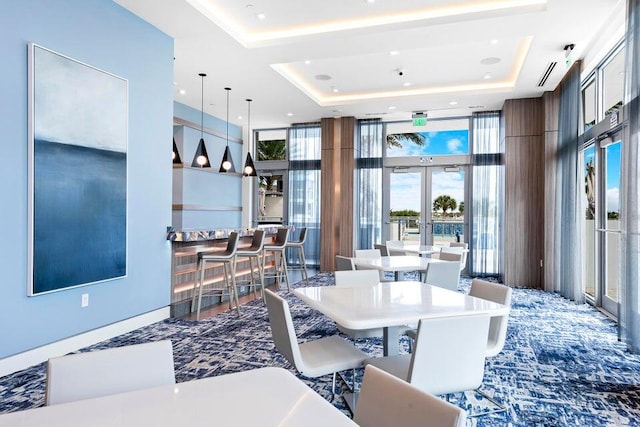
(272, 198)
(426, 204)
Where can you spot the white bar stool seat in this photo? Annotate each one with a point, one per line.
(299, 246)
(278, 248)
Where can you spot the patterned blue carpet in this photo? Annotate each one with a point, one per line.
(561, 366)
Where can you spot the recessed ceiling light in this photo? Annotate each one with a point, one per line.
(487, 76)
(392, 107)
(261, 16)
(406, 84)
(289, 114)
(394, 52)
(239, 117)
(175, 83)
(307, 61)
(490, 60)
(369, 1)
(335, 90)
(453, 103)
(323, 77)
(494, 41)
(183, 92)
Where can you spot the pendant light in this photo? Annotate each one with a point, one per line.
(176, 154)
(201, 159)
(226, 166)
(249, 168)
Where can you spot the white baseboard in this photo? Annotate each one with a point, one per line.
(29, 358)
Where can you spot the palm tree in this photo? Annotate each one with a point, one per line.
(395, 139)
(461, 208)
(272, 150)
(444, 203)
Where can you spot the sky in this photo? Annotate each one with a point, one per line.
(613, 174)
(78, 104)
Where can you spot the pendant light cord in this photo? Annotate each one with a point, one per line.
(202, 76)
(227, 89)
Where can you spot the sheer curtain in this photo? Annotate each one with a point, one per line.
(304, 187)
(487, 195)
(629, 318)
(568, 272)
(369, 182)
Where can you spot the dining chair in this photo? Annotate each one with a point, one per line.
(450, 254)
(445, 274)
(500, 294)
(386, 400)
(358, 278)
(344, 263)
(448, 355)
(395, 247)
(104, 372)
(312, 359)
(227, 258)
(457, 248)
(382, 248)
(278, 249)
(371, 254)
(255, 251)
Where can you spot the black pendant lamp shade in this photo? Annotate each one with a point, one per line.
(226, 166)
(176, 154)
(201, 159)
(249, 168)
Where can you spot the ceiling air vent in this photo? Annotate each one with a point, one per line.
(547, 73)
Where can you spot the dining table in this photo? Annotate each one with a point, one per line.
(392, 306)
(267, 397)
(398, 264)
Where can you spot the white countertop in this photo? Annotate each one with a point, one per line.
(395, 263)
(266, 397)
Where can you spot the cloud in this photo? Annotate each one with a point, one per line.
(613, 200)
(453, 146)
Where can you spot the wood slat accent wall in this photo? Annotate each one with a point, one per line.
(346, 212)
(551, 102)
(327, 195)
(524, 192)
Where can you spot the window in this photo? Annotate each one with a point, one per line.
(437, 138)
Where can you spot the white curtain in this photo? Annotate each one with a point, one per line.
(487, 195)
(369, 184)
(304, 187)
(629, 317)
(567, 240)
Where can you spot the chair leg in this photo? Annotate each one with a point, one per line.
(233, 284)
(286, 271)
(202, 269)
(195, 286)
(261, 272)
(252, 283)
(500, 407)
(225, 272)
(303, 263)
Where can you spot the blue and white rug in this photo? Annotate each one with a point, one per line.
(561, 366)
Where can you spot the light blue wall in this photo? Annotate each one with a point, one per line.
(206, 188)
(104, 35)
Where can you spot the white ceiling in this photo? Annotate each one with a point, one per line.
(307, 60)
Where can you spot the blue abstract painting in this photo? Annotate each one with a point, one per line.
(78, 173)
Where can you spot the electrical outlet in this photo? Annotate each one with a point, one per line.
(85, 300)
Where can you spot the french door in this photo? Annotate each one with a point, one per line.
(425, 205)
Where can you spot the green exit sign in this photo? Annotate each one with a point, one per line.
(419, 121)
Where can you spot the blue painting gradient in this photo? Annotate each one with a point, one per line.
(79, 215)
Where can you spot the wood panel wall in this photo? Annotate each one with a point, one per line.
(524, 192)
(551, 102)
(328, 182)
(347, 162)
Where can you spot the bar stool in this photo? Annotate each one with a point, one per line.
(255, 251)
(278, 249)
(228, 259)
(299, 245)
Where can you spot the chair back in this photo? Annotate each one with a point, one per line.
(282, 331)
(257, 242)
(357, 278)
(282, 236)
(395, 247)
(498, 326)
(459, 248)
(344, 263)
(382, 248)
(303, 235)
(232, 243)
(445, 274)
(445, 342)
(459, 245)
(104, 372)
(386, 400)
(368, 253)
(446, 255)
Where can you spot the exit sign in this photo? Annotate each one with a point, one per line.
(419, 121)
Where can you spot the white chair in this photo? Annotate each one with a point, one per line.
(298, 245)
(448, 355)
(386, 400)
(458, 248)
(278, 248)
(450, 254)
(254, 251)
(395, 247)
(104, 372)
(444, 274)
(382, 248)
(228, 259)
(344, 263)
(498, 327)
(371, 254)
(312, 359)
(358, 278)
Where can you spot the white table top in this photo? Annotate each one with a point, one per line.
(395, 263)
(261, 397)
(392, 303)
(414, 248)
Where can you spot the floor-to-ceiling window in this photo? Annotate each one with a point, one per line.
(368, 194)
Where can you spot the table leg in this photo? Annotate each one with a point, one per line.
(399, 276)
(390, 340)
